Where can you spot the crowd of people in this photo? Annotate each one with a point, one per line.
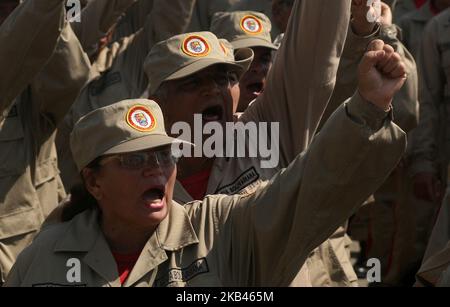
(100, 187)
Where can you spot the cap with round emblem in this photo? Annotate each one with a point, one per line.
(126, 126)
(243, 29)
(186, 54)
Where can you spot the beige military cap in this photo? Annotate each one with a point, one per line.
(126, 126)
(245, 29)
(186, 54)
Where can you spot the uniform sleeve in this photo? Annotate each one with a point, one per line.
(406, 104)
(268, 235)
(27, 40)
(57, 86)
(168, 18)
(96, 20)
(303, 75)
(431, 97)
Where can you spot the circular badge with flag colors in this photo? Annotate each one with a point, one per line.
(251, 25)
(140, 118)
(196, 46)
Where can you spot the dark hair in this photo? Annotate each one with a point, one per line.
(80, 198)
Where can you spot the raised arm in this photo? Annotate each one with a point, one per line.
(361, 32)
(27, 40)
(272, 232)
(405, 103)
(97, 18)
(57, 86)
(303, 75)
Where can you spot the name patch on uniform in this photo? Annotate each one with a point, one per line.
(200, 266)
(248, 177)
(108, 79)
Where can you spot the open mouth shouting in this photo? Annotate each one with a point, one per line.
(213, 114)
(154, 197)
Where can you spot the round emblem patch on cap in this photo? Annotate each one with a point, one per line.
(140, 118)
(251, 25)
(196, 46)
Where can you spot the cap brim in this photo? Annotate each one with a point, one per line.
(146, 142)
(251, 42)
(242, 63)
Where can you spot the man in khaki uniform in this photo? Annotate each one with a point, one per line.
(125, 77)
(246, 171)
(258, 239)
(38, 87)
(287, 97)
(423, 185)
(432, 149)
(248, 29)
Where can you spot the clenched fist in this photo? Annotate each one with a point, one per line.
(381, 74)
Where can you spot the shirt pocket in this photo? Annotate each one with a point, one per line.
(12, 151)
(18, 199)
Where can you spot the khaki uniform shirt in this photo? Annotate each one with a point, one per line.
(431, 147)
(258, 239)
(122, 75)
(412, 25)
(30, 187)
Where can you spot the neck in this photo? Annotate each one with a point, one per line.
(124, 238)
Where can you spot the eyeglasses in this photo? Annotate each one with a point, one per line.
(141, 159)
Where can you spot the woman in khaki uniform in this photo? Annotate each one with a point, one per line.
(133, 234)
